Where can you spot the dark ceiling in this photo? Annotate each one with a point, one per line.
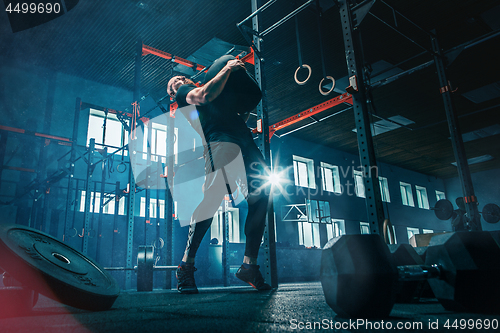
(96, 41)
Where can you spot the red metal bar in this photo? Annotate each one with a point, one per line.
(18, 130)
(150, 50)
(11, 129)
(188, 63)
(18, 169)
(344, 98)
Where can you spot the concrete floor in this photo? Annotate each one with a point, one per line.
(293, 307)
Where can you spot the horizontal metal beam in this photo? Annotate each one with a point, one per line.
(344, 98)
(286, 18)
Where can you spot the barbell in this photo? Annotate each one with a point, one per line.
(444, 211)
(145, 268)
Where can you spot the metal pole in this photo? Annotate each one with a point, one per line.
(270, 269)
(225, 241)
(147, 186)
(473, 221)
(132, 186)
(78, 107)
(352, 43)
(115, 220)
(101, 203)
(86, 220)
(170, 227)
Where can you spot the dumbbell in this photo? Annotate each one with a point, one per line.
(360, 279)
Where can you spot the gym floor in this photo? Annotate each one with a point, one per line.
(292, 307)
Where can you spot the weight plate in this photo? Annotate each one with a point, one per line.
(491, 213)
(443, 209)
(52, 268)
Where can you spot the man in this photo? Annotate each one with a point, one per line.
(227, 93)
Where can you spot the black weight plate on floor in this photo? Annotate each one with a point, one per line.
(52, 268)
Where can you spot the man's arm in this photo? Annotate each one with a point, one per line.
(212, 89)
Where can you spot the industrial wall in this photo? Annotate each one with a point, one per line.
(40, 101)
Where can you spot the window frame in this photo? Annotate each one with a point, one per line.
(407, 196)
(309, 163)
(422, 197)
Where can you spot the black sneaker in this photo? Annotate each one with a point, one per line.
(185, 279)
(253, 277)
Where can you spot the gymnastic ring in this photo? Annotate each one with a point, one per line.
(72, 232)
(308, 76)
(329, 91)
(121, 170)
(161, 243)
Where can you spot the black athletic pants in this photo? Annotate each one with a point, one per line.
(231, 164)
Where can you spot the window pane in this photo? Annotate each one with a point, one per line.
(440, 195)
(403, 195)
(308, 235)
(364, 228)
(95, 129)
(358, 181)
(330, 231)
(327, 179)
(316, 239)
(412, 231)
(302, 168)
(295, 173)
(384, 189)
(113, 134)
(423, 201)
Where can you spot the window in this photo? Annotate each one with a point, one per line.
(422, 200)
(411, 232)
(406, 194)
(152, 208)
(318, 211)
(94, 196)
(216, 230)
(108, 202)
(440, 195)
(112, 135)
(384, 189)
(309, 234)
(158, 142)
(427, 231)
(358, 183)
(335, 229)
(303, 170)
(330, 178)
(364, 228)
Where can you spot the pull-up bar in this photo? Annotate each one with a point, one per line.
(280, 22)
